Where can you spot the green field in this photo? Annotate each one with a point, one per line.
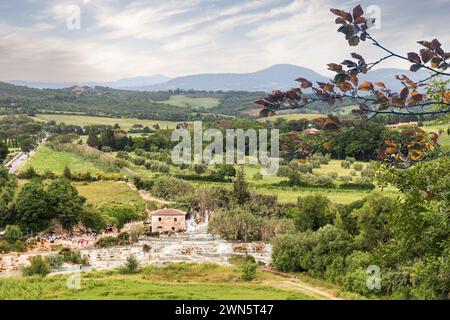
(444, 139)
(125, 123)
(293, 116)
(337, 196)
(47, 159)
(193, 102)
(174, 281)
(109, 192)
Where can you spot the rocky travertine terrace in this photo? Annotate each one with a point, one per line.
(184, 247)
(188, 247)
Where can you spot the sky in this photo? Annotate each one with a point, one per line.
(106, 40)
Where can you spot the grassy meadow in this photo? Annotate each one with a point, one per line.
(108, 193)
(47, 159)
(125, 123)
(292, 116)
(192, 102)
(173, 281)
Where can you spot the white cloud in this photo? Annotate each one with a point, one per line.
(176, 37)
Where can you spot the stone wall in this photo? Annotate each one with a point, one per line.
(166, 223)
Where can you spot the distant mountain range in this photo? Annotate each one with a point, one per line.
(280, 76)
(126, 83)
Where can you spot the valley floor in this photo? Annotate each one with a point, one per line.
(173, 281)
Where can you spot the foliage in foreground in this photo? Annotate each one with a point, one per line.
(408, 239)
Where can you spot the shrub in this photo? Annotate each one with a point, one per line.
(358, 166)
(121, 213)
(38, 266)
(346, 178)
(48, 175)
(71, 256)
(29, 173)
(67, 173)
(313, 212)
(17, 246)
(54, 260)
(93, 219)
(353, 173)
(157, 166)
(227, 170)
(258, 176)
(315, 164)
(123, 155)
(12, 233)
(283, 171)
(238, 259)
(333, 175)
(105, 242)
(82, 176)
(356, 281)
(139, 161)
(200, 168)
(248, 270)
(321, 253)
(107, 149)
(170, 188)
(131, 266)
(357, 186)
(370, 170)
(350, 159)
(346, 164)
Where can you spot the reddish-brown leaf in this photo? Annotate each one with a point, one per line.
(436, 44)
(343, 14)
(353, 41)
(358, 11)
(340, 20)
(426, 44)
(415, 67)
(366, 86)
(360, 20)
(404, 93)
(262, 102)
(357, 56)
(334, 67)
(435, 62)
(414, 57)
(426, 55)
(264, 113)
(380, 84)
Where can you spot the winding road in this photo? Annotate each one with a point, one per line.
(19, 159)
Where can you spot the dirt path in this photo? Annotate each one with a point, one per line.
(296, 284)
(146, 196)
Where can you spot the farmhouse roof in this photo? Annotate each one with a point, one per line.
(167, 212)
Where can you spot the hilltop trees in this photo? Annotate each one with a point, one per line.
(240, 187)
(3, 151)
(92, 139)
(65, 202)
(36, 205)
(312, 212)
(32, 207)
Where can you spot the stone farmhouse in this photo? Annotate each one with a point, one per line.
(167, 220)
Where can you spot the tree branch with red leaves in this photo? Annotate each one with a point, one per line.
(373, 98)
